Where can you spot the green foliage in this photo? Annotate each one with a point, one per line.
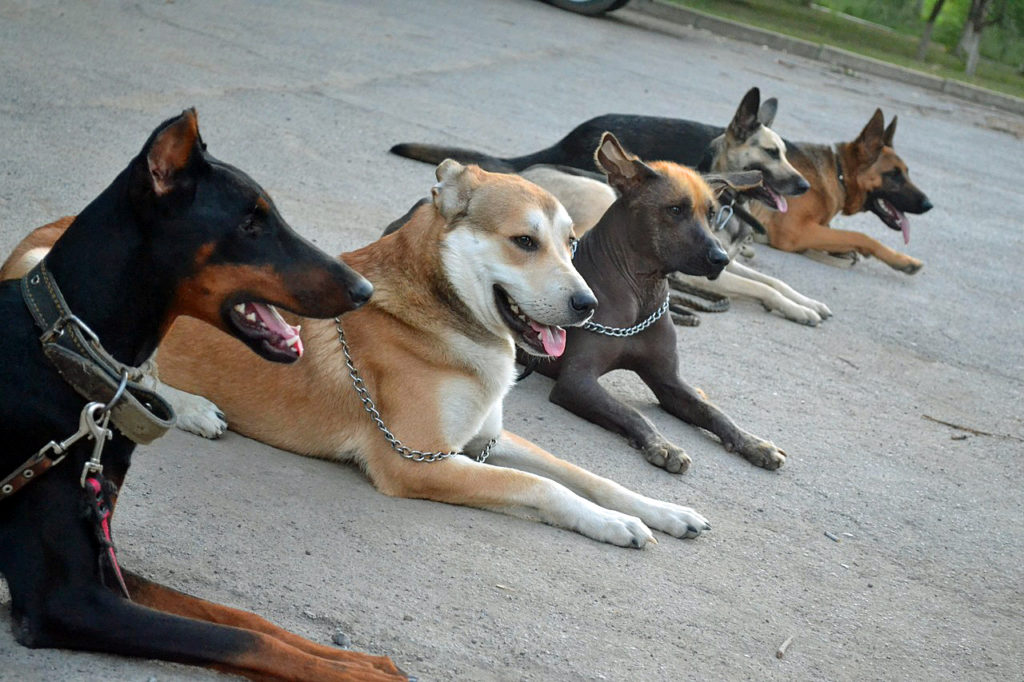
(895, 42)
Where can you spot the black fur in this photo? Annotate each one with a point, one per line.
(119, 266)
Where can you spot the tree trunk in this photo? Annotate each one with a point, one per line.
(926, 37)
(970, 40)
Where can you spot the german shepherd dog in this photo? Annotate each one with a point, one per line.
(747, 143)
(481, 268)
(849, 177)
(177, 233)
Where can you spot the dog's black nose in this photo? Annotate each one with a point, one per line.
(718, 257)
(801, 186)
(926, 205)
(583, 302)
(360, 292)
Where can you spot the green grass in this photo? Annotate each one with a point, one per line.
(801, 21)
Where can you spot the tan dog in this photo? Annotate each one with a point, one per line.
(849, 177)
(484, 267)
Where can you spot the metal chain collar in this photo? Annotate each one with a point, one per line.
(628, 331)
(371, 409)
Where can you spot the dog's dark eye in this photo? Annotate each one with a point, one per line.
(525, 242)
(250, 227)
(772, 153)
(675, 210)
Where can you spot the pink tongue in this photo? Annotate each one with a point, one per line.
(276, 324)
(553, 338)
(780, 203)
(904, 226)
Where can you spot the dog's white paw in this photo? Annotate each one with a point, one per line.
(818, 307)
(794, 311)
(195, 413)
(674, 519)
(616, 528)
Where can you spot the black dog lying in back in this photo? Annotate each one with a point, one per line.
(176, 233)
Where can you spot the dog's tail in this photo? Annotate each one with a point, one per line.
(432, 153)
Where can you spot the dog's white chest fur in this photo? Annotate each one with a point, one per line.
(471, 405)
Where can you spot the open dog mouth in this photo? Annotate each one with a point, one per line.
(774, 199)
(893, 217)
(532, 336)
(263, 329)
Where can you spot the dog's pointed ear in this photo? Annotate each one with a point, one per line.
(455, 183)
(890, 132)
(740, 181)
(171, 150)
(869, 142)
(625, 172)
(745, 122)
(766, 112)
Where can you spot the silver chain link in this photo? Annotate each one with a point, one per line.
(371, 409)
(623, 331)
(628, 331)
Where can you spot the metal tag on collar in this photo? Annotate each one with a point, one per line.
(723, 217)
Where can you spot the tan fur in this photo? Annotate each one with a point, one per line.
(584, 198)
(437, 367)
(806, 224)
(32, 248)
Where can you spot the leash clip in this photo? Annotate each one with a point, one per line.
(99, 433)
(725, 214)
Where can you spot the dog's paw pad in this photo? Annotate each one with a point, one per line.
(668, 457)
(912, 268)
(761, 453)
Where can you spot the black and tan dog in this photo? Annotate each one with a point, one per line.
(176, 233)
(747, 143)
(659, 225)
(849, 177)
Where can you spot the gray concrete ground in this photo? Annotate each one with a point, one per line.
(925, 581)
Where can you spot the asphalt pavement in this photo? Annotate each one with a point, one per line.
(921, 577)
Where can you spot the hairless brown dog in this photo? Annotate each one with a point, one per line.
(659, 225)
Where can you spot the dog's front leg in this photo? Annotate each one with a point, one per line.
(827, 238)
(518, 453)
(733, 284)
(789, 292)
(580, 393)
(195, 413)
(679, 399)
(461, 480)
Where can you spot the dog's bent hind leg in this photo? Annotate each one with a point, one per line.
(169, 600)
(105, 621)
